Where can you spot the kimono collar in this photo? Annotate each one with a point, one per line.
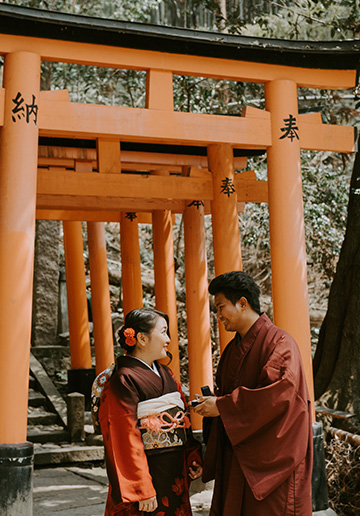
(249, 338)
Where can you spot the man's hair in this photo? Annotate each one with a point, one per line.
(234, 285)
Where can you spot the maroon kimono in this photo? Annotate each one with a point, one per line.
(133, 473)
(259, 451)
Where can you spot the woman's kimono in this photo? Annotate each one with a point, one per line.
(161, 470)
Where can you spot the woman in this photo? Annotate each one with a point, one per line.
(150, 453)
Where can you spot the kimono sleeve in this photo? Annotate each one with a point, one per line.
(269, 426)
(126, 461)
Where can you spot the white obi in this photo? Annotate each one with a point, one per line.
(162, 421)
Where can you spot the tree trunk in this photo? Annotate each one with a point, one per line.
(337, 357)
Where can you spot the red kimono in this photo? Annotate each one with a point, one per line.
(134, 474)
(259, 451)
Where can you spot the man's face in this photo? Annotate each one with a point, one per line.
(230, 315)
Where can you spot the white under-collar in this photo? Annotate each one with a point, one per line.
(153, 368)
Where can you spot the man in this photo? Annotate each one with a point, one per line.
(258, 426)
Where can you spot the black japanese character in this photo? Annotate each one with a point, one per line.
(227, 186)
(196, 203)
(130, 215)
(32, 109)
(290, 128)
(19, 109)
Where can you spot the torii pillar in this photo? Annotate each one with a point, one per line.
(164, 272)
(100, 296)
(81, 373)
(18, 174)
(225, 222)
(131, 284)
(286, 215)
(197, 305)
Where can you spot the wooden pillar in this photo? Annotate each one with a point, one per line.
(100, 296)
(197, 305)
(132, 295)
(76, 295)
(164, 272)
(287, 236)
(225, 224)
(109, 162)
(18, 172)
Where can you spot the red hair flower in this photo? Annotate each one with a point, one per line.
(130, 339)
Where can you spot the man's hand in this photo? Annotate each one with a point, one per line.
(195, 470)
(207, 407)
(148, 505)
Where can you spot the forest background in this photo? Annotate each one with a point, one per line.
(331, 211)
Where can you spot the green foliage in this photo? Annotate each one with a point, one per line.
(129, 10)
(305, 20)
(326, 195)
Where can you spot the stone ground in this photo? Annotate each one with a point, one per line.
(81, 491)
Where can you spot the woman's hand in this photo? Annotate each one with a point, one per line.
(195, 470)
(148, 505)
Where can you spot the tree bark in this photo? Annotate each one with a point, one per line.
(337, 356)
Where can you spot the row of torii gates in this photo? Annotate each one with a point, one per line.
(61, 182)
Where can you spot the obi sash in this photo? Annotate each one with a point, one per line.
(163, 421)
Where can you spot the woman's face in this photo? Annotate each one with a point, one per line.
(158, 340)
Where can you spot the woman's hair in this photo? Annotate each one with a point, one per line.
(141, 320)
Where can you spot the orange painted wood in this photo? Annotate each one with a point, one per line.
(65, 156)
(164, 272)
(108, 204)
(225, 224)
(335, 138)
(18, 162)
(197, 306)
(92, 216)
(198, 66)
(250, 190)
(45, 162)
(55, 95)
(63, 183)
(87, 121)
(67, 119)
(109, 155)
(123, 185)
(76, 296)
(132, 294)
(100, 296)
(159, 90)
(288, 254)
(252, 112)
(83, 166)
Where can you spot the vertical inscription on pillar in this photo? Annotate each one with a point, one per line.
(24, 111)
(197, 204)
(227, 186)
(290, 128)
(130, 215)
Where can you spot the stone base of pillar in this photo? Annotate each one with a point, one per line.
(16, 478)
(81, 380)
(319, 481)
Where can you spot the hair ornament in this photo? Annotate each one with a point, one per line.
(130, 339)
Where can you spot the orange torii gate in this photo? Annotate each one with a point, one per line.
(35, 185)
